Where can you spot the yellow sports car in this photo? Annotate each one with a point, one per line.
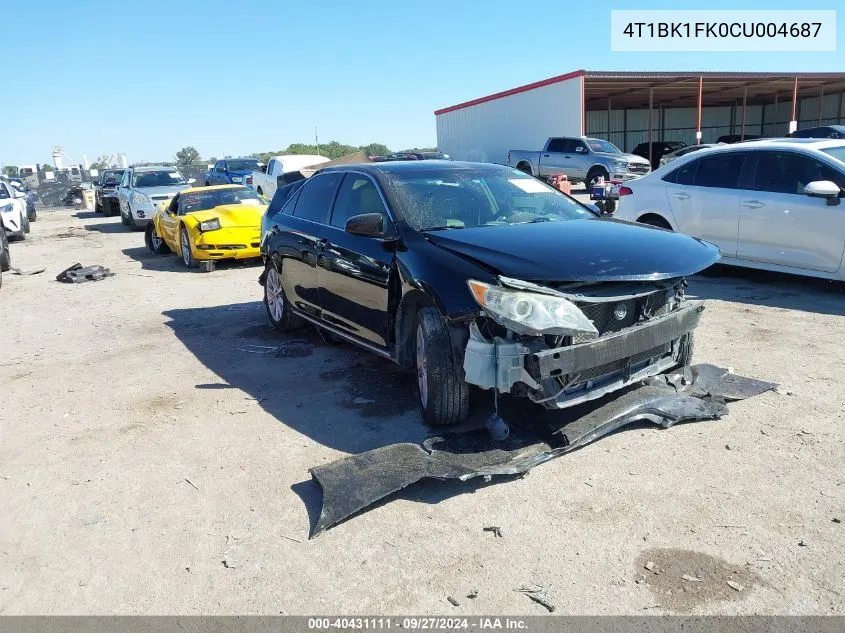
(204, 224)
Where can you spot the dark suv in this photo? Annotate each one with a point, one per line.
(825, 131)
(105, 192)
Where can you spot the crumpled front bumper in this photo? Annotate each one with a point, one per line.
(606, 364)
(228, 243)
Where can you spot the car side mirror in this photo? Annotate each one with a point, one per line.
(594, 207)
(366, 225)
(823, 189)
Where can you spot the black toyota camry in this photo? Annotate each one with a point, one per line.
(478, 274)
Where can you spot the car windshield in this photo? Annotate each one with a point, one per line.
(246, 164)
(441, 200)
(210, 198)
(158, 178)
(598, 145)
(110, 177)
(837, 152)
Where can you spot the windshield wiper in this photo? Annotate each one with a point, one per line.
(441, 228)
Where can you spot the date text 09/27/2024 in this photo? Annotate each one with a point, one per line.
(721, 29)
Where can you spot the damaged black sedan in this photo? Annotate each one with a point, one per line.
(476, 274)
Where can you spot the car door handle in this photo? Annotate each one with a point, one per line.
(545, 155)
(681, 196)
(753, 204)
(321, 244)
(345, 265)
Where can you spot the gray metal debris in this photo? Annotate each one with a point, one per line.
(78, 274)
(353, 483)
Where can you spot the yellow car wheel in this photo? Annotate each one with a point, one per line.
(185, 246)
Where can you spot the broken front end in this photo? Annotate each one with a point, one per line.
(563, 344)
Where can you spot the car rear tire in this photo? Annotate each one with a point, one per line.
(98, 207)
(123, 219)
(260, 192)
(6, 257)
(277, 305)
(443, 392)
(654, 220)
(185, 249)
(155, 244)
(25, 223)
(33, 216)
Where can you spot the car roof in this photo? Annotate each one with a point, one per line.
(410, 166)
(812, 143)
(155, 168)
(212, 188)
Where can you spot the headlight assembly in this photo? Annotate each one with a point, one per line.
(210, 225)
(140, 198)
(531, 313)
(619, 164)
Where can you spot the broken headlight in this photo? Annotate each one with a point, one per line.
(210, 225)
(531, 313)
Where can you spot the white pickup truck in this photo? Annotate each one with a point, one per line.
(266, 181)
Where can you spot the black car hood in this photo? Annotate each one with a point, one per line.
(580, 250)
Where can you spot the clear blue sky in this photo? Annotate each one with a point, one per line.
(149, 77)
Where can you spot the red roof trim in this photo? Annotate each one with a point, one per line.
(513, 91)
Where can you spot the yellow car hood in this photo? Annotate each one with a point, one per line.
(232, 215)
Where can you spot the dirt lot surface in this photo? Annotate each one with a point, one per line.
(156, 438)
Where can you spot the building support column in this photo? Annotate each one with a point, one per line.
(625, 130)
(793, 123)
(698, 130)
(608, 120)
(821, 102)
(650, 126)
(744, 110)
(840, 114)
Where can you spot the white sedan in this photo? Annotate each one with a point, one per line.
(13, 211)
(770, 204)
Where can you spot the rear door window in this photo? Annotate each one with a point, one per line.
(557, 145)
(316, 197)
(722, 170)
(684, 175)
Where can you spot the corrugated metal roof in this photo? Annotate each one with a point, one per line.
(631, 89)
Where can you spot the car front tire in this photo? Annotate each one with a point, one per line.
(276, 303)
(185, 249)
(443, 392)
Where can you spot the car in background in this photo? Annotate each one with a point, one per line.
(683, 151)
(580, 159)
(824, 131)
(143, 189)
(209, 224)
(105, 192)
(658, 150)
(457, 269)
(233, 171)
(266, 180)
(769, 204)
(13, 211)
(31, 197)
(736, 138)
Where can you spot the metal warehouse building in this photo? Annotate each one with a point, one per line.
(629, 108)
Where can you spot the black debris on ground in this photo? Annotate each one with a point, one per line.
(78, 274)
(495, 529)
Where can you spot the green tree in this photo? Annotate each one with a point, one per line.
(376, 149)
(46, 167)
(187, 156)
(10, 170)
(418, 150)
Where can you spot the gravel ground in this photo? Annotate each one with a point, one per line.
(155, 440)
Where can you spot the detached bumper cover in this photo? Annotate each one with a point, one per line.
(353, 483)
